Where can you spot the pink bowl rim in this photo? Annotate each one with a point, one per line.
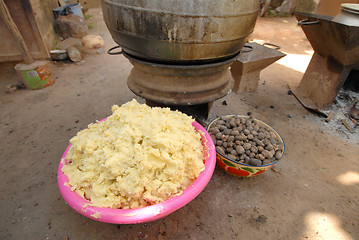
(145, 214)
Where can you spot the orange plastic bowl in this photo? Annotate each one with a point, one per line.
(241, 169)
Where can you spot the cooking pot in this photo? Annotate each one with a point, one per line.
(181, 31)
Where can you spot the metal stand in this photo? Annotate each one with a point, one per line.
(247, 67)
(321, 82)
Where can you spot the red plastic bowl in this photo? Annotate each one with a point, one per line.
(145, 214)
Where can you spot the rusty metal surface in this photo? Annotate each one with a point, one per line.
(321, 82)
(330, 39)
(170, 30)
(247, 67)
(259, 58)
(180, 84)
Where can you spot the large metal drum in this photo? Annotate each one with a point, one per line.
(181, 31)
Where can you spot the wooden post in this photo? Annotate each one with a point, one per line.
(10, 24)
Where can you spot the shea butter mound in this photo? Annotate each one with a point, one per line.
(138, 157)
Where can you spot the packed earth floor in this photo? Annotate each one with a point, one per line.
(311, 193)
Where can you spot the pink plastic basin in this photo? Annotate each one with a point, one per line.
(145, 214)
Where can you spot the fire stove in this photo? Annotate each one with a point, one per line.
(190, 88)
(335, 41)
(181, 51)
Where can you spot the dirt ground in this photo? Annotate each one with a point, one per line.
(312, 193)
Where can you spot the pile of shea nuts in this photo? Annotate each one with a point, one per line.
(245, 140)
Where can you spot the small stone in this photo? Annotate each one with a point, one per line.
(255, 162)
(254, 149)
(259, 143)
(266, 141)
(232, 157)
(266, 161)
(269, 147)
(222, 127)
(289, 116)
(271, 106)
(242, 137)
(224, 103)
(219, 143)
(240, 149)
(232, 123)
(220, 150)
(227, 131)
(267, 154)
(214, 130)
(281, 147)
(272, 152)
(249, 113)
(278, 155)
(260, 136)
(250, 136)
(233, 152)
(247, 146)
(235, 133)
(267, 135)
(261, 157)
(219, 136)
(273, 135)
(260, 149)
(224, 137)
(246, 132)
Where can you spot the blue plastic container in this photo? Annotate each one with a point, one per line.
(75, 8)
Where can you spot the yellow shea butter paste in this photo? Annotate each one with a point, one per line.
(138, 157)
